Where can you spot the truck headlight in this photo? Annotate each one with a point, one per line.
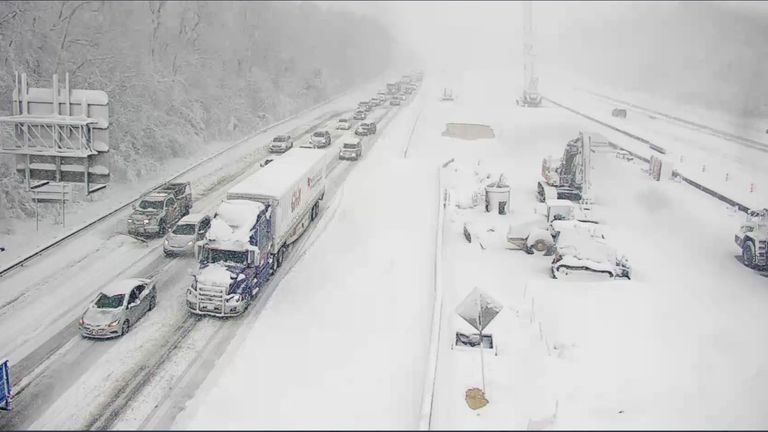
(146, 221)
(130, 220)
(189, 243)
(113, 323)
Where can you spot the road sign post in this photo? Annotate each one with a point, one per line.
(5, 386)
(478, 310)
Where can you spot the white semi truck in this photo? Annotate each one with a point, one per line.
(253, 229)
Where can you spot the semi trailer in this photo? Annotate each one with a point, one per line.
(252, 231)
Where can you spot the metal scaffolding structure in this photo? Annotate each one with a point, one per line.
(56, 134)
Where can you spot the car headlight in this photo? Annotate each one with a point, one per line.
(146, 221)
(114, 323)
(130, 220)
(82, 321)
(189, 243)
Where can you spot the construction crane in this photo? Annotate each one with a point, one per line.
(530, 96)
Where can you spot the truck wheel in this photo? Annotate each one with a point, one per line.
(539, 247)
(748, 254)
(280, 256)
(314, 212)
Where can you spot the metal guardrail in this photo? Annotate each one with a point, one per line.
(654, 147)
(427, 403)
(744, 141)
(23, 260)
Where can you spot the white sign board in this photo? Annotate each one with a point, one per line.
(479, 309)
(53, 192)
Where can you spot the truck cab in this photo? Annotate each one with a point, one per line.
(233, 259)
(752, 240)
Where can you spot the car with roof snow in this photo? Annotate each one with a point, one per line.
(351, 148)
(360, 115)
(118, 307)
(190, 229)
(281, 144)
(343, 124)
(366, 128)
(318, 139)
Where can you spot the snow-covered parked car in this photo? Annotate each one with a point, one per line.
(118, 307)
(581, 255)
(182, 238)
(281, 144)
(343, 124)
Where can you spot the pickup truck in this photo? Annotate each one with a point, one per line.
(159, 210)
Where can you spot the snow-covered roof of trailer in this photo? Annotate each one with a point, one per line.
(276, 179)
(234, 220)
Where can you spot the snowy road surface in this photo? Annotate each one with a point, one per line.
(67, 380)
(343, 342)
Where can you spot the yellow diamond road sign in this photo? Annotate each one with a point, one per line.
(479, 309)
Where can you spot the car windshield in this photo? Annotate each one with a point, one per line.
(109, 302)
(343, 120)
(350, 146)
(280, 138)
(319, 134)
(185, 229)
(151, 205)
(221, 255)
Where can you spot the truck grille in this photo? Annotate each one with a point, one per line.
(210, 294)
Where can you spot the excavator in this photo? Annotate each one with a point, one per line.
(568, 177)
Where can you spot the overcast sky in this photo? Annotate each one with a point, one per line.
(438, 30)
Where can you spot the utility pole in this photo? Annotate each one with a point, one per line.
(531, 95)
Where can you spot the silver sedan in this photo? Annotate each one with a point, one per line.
(117, 307)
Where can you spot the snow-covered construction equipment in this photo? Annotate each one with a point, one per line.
(539, 237)
(252, 229)
(580, 254)
(752, 240)
(569, 176)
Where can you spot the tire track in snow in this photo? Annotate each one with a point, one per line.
(220, 340)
